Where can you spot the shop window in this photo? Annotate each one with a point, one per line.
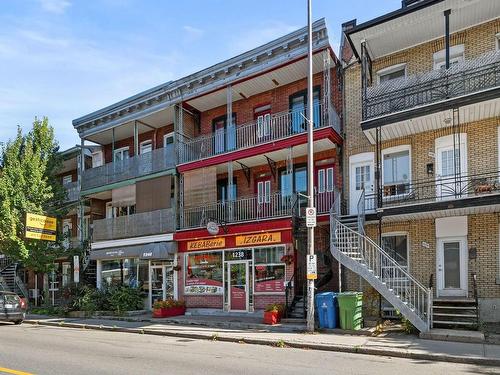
(203, 273)
(396, 171)
(270, 271)
(114, 271)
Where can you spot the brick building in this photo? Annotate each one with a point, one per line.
(218, 157)
(421, 160)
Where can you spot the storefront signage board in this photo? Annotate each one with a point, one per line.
(211, 243)
(258, 239)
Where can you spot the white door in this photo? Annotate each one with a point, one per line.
(452, 267)
(362, 177)
(451, 167)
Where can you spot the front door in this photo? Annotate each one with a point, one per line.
(362, 176)
(263, 187)
(238, 286)
(157, 285)
(452, 267)
(451, 167)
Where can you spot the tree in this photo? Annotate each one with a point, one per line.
(28, 166)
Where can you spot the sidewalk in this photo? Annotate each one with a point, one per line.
(395, 345)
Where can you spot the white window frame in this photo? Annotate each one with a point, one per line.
(65, 179)
(166, 136)
(393, 150)
(101, 160)
(264, 191)
(389, 70)
(457, 53)
(120, 150)
(145, 143)
(497, 41)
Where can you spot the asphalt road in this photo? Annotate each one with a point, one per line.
(29, 349)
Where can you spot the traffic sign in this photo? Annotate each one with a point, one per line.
(310, 217)
(312, 273)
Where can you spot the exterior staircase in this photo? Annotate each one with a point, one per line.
(9, 280)
(453, 313)
(354, 250)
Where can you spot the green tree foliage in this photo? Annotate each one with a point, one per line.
(28, 165)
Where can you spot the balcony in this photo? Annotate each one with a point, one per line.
(274, 128)
(252, 208)
(142, 224)
(73, 193)
(439, 190)
(462, 79)
(155, 161)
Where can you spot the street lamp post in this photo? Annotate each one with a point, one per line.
(310, 167)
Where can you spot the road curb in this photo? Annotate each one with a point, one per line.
(280, 343)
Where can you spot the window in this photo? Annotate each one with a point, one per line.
(96, 159)
(67, 180)
(66, 274)
(264, 191)
(396, 171)
(391, 72)
(121, 154)
(269, 270)
(298, 103)
(203, 273)
(113, 271)
(397, 247)
(223, 190)
(456, 57)
(497, 41)
(168, 139)
(362, 177)
(117, 211)
(145, 147)
(224, 134)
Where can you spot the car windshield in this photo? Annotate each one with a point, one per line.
(9, 298)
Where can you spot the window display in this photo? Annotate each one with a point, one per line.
(203, 273)
(269, 270)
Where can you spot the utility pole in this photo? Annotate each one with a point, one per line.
(310, 168)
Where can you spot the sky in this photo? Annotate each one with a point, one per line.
(66, 58)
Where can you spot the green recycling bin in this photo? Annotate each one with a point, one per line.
(351, 310)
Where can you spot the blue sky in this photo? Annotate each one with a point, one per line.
(66, 58)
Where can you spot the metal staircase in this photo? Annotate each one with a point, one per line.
(9, 280)
(353, 249)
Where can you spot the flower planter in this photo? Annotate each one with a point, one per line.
(271, 317)
(168, 312)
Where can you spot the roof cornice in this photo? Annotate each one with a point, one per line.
(245, 65)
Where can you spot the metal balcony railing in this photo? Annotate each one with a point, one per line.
(73, 193)
(253, 208)
(460, 79)
(457, 186)
(141, 224)
(275, 127)
(140, 165)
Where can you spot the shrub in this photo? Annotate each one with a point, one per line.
(275, 307)
(124, 298)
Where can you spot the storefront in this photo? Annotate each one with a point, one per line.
(150, 267)
(239, 273)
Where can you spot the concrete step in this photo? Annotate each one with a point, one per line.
(300, 320)
(442, 300)
(454, 307)
(453, 335)
(455, 315)
(453, 323)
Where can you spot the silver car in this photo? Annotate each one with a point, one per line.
(12, 307)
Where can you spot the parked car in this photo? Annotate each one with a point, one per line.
(12, 307)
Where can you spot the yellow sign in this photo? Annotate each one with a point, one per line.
(211, 243)
(40, 227)
(258, 239)
(41, 222)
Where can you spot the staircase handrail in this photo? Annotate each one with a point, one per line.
(288, 288)
(19, 283)
(381, 256)
(476, 296)
(361, 212)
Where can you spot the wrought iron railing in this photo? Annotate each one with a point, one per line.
(460, 79)
(137, 166)
(73, 193)
(275, 127)
(141, 224)
(452, 187)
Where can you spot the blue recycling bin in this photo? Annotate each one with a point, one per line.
(327, 307)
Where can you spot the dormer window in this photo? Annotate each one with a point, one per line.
(391, 72)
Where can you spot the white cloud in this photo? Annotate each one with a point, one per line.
(193, 31)
(55, 6)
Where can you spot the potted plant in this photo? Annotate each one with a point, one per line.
(287, 259)
(168, 308)
(272, 314)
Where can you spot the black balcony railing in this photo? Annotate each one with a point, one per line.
(457, 186)
(137, 166)
(467, 77)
